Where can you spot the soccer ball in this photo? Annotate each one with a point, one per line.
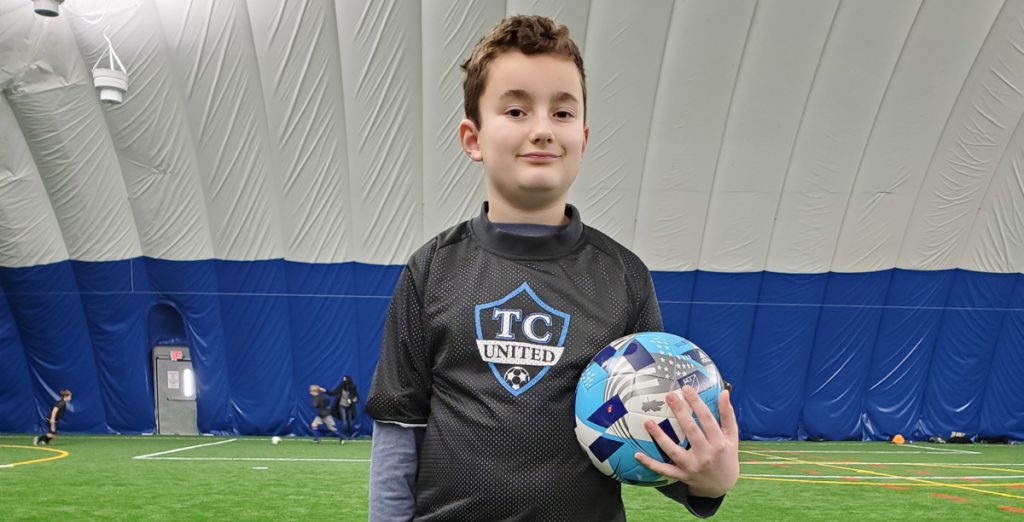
(275, 440)
(625, 385)
(517, 377)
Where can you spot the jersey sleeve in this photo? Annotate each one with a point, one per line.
(646, 312)
(648, 317)
(401, 387)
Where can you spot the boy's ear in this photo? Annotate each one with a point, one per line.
(586, 138)
(469, 136)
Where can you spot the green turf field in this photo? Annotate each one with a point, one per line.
(247, 478)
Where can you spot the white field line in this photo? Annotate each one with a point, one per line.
(945, 450)
(86, 436)
(260, 459)
(853, 452)
(849, 463)
(862, 477)
(151, 455)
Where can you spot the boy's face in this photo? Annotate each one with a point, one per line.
(531, 136)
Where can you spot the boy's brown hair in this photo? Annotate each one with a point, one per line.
(65, 393)
(526, 34)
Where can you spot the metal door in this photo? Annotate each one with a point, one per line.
(175, 391)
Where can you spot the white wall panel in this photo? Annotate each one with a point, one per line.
(29, 234)
(453, 185)
(53, 101)
(797, 136)
(863, 46)
(300, 66)
(974, 140)
(149, 132)
(781, 56)
(214, 60)
(620, 91)
(689, 115)
(380, 48)
(940, 49)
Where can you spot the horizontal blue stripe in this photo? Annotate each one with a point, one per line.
(839, 356)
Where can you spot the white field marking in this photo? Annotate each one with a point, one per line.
(947, 450)
(87, 436)
(849, 463)
(6, 465)
(151, 455)
(862, 477)
(854, 452)
(260, 467)
(259, 459)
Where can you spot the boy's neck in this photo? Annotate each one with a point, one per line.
(497, 212)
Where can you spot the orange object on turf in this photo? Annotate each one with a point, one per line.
(898, 439)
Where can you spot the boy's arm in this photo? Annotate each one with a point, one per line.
(649, 320)
(711, 466)
(393, 465)
(403, 381)
(399, 400)
(53, 418)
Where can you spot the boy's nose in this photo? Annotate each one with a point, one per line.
(542, 133)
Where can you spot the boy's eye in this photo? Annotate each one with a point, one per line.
(515, 113)
(563, 115)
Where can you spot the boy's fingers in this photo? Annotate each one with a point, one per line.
(730, 428)
(684, 416)
(660, 467)
(707, 421)
(674, 451)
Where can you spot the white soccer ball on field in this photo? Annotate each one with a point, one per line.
(275, 440)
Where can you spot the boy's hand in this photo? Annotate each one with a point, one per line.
(712, 465)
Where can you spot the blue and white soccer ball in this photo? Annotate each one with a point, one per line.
(625, 385)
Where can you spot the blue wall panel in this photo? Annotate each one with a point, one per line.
(18, 409)
(1002, 409)
(780, 349)
(46, 308)
(963, 354)
(833, 356)
(841, 358)
(118, 337)
(902, 355)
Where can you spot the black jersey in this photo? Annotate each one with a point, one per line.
(61, 406)
(485, 340)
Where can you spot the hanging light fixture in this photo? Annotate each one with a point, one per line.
(47, 7)
(112, 79)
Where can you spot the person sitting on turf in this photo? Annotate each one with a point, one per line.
(56, 414)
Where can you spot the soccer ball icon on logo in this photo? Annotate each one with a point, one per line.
(517, 377)
(625, 385)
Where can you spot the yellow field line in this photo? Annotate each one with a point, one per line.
(985, 468)
(59, 455)
(855, 483)
(869, 472)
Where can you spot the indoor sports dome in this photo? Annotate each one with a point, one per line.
(829, 194)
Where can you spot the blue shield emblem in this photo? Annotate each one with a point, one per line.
(520, 337)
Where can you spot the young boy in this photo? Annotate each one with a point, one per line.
(56, 414)
(323, 413)
(493, 321)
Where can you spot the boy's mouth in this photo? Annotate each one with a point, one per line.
(540, 157)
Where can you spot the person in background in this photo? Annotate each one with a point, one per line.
(323, 413)
(344, 406)
(56, 414)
